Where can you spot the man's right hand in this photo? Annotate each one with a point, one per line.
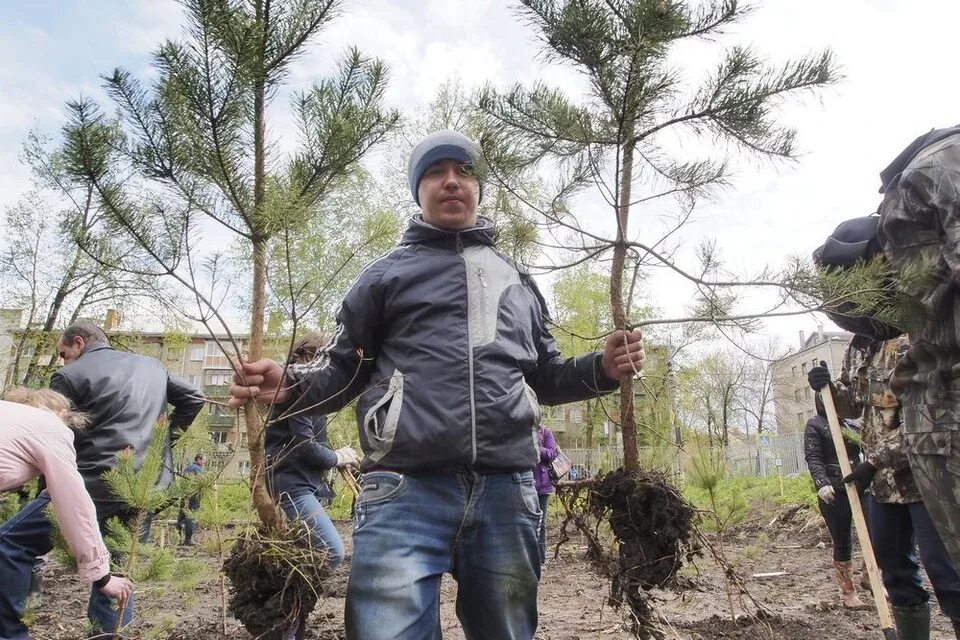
(826, 494)
(261, 380)
(118, 589)
(818, 377)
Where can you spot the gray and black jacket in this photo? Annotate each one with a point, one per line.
(447, 345)
(124, 394)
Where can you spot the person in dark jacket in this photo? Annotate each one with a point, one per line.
(832, 498)
(298, 459)
(184, 519)
(123, 394)
(446, 344)
(541, 473)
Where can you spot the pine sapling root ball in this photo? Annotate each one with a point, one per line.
(654, 528)
(275, 579)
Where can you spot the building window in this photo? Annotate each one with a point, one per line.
(196, 354)
(800, 418)
(806, 392)
(218, 378)
(218, 437)
(793, 371)
(243, 467)
(803, 368)
(194, 379)
(212, 348)
(576, 416)
(243, 439)
(813, 362)
(796, 395)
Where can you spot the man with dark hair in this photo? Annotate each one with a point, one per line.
(78, 337)
(124, 395)
(446, 343)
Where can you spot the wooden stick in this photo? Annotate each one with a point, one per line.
(350, 481)
(860, 523)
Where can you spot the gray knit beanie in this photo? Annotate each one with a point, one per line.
(440, 145)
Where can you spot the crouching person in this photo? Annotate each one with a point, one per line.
(35, 440)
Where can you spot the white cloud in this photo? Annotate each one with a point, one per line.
(897, 58)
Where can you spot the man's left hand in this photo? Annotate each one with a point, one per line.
(623, 354)
(862, 476)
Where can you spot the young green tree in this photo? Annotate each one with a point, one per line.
(46, 269)
(195, 148)
(626, 136)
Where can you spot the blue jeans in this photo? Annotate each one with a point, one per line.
(25, 537)
(307, 507)
(894, 528)
(542, 532)
(411, 529)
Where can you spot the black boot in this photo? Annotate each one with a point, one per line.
(913, 623)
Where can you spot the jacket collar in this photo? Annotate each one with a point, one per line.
(421, 232)
(96, 346)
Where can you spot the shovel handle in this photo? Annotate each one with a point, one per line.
(859, 521)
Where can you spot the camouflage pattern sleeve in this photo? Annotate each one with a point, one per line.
(845, 396)
(889, 453)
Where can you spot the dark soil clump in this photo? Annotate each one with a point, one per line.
(654, 527)
(275, 580)
(750, 628)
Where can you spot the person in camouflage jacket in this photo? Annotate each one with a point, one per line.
(895, 509)
(919, 232)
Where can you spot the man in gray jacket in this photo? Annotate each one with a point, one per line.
(446, 344)
(123, 394)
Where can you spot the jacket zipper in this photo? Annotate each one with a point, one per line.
(473, 403)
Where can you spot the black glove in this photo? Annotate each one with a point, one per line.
(862, 476)
(819, 377)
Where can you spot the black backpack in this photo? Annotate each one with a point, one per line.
(853, 241)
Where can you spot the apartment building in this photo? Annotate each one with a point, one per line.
(792, 396)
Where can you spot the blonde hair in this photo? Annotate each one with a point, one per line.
(49, 399)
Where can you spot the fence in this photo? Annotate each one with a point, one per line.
(762, 456)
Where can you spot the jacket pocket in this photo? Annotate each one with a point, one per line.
(531, 397)
(381, 420)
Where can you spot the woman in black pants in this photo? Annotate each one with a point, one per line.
(831, 495)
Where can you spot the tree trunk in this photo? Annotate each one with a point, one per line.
(262, 502)
(628, 420)
(53, 314)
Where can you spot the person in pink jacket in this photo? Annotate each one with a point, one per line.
(35, 440)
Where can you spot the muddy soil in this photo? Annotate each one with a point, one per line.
(802, 602)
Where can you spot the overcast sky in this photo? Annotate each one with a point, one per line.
(898, 60)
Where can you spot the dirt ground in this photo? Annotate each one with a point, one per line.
(803, 602)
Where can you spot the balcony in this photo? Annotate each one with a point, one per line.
(222, 421)
(216, 390)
